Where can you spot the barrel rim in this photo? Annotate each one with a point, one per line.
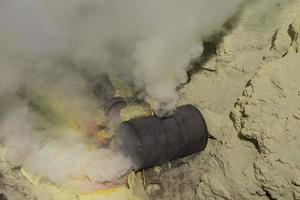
(191, 106)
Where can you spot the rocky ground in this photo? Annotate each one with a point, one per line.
(248, 88)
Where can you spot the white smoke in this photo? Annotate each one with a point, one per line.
(60, 154)
(43, 43)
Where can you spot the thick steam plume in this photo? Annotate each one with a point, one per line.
(45, 44)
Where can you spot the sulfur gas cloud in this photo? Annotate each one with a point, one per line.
(45, 44)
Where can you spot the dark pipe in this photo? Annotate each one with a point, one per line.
(104, 91)
(102, 87)
(151, 141)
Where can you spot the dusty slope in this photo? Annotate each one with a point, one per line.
(249, 93)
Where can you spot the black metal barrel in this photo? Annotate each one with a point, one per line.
(151, 141)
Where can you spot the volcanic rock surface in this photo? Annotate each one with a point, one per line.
(248, 88)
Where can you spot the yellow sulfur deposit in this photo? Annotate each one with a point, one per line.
(118, 193)
(122, 192)
(133, 191)
(133, 111)
(56, 111)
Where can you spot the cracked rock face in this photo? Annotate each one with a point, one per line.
(267, 115)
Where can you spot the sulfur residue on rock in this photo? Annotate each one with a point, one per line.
(251, 104)
(248, 89)
(267, 115)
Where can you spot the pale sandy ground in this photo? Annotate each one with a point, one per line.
(249, 92)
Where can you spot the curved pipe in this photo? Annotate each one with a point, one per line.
(104, 91)
(150, 140)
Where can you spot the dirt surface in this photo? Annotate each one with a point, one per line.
(248, 91)
(248, 88)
